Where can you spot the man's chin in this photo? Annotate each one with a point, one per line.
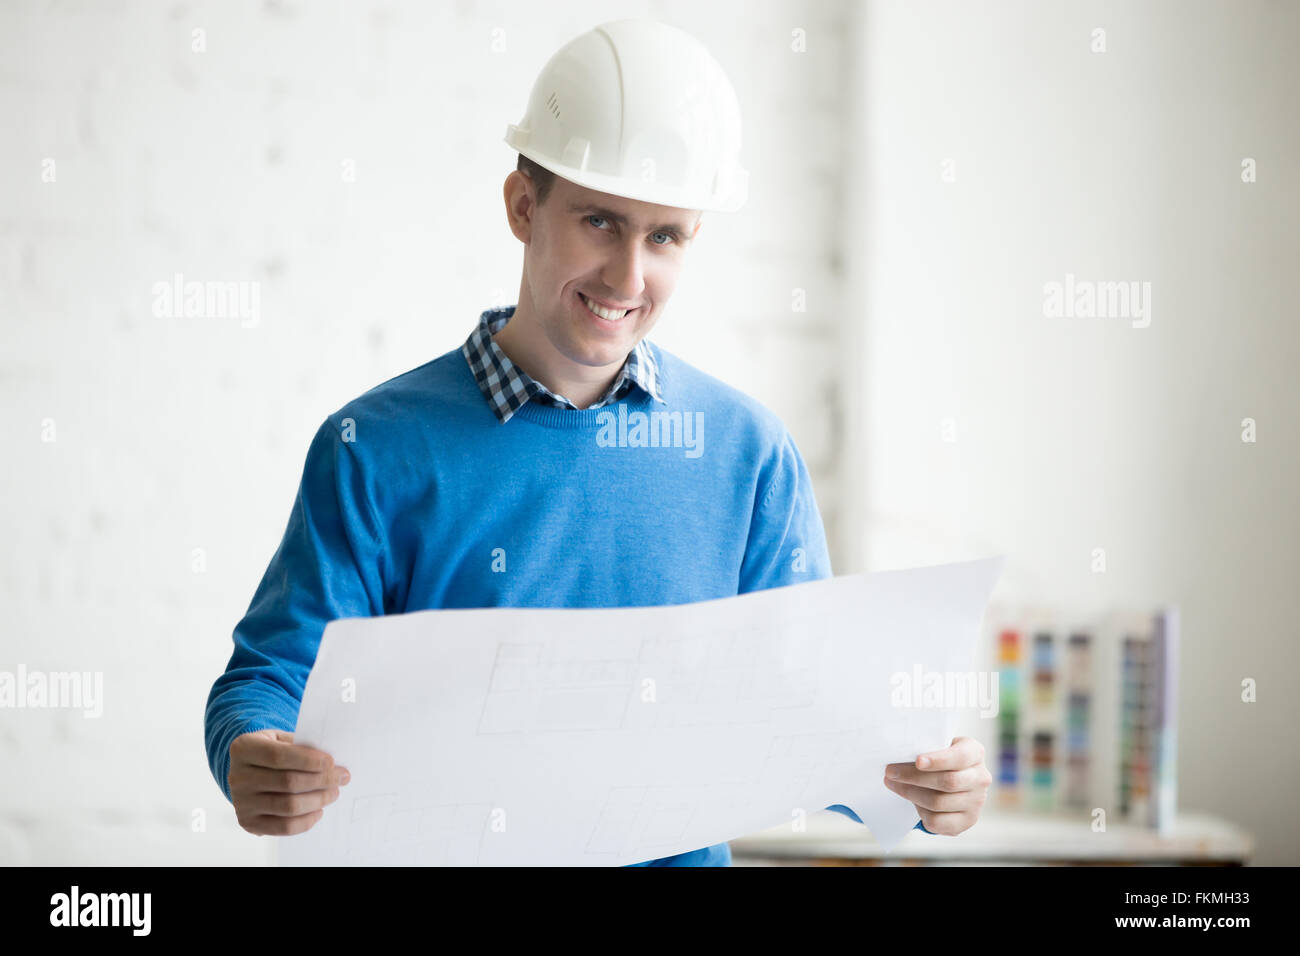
(602, 357)
(598, 354)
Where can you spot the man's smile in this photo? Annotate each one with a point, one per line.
(605, 317)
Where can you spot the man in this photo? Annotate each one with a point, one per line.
(558, 458)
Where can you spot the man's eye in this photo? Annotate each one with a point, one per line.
(671, 237)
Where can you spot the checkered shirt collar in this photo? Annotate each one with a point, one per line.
(506, 386)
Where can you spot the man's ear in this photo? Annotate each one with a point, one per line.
(697, 228)
(519, 193)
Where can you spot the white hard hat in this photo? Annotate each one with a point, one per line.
(639, 109)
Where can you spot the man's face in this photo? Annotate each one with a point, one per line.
(622, 253)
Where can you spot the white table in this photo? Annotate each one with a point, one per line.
(1000, 837)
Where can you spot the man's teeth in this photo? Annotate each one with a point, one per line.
(612, 315)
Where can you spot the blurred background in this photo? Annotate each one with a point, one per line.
(921, 174)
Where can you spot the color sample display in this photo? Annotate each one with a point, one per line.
(1078, 681)
(1089, 721)
(1009, 718)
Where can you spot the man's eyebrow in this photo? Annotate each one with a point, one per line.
(591, 209)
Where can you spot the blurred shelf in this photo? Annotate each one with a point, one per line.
(1003, 838)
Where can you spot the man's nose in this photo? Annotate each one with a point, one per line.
(624, 273)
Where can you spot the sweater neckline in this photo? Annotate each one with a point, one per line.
(549, 416)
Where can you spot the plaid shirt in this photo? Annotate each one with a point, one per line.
(506, 386)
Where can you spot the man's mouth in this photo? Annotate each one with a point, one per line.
(609, 315)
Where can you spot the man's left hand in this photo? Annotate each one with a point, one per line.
(948, 787)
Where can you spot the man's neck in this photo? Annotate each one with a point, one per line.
(526, 346)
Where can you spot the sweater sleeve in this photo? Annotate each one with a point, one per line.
(327, 566)
(787, 543)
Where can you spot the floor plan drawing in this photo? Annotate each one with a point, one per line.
(602, 737)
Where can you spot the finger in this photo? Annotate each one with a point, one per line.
(949, 781)
(947, 824)
(963, 752)
(290, 804)
(264, 780)
(940, 802)
(283, 826)
(279, 754)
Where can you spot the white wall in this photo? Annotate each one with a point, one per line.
(173, 435)
(1077, 433)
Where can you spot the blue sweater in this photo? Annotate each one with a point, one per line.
(414, 496)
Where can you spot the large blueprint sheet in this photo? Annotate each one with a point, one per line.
(597, 737)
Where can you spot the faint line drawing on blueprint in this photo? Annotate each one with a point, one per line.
(533, 689)
(644, 817)
(588, 737)
(389, 830)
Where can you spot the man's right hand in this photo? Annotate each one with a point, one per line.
(279, 787)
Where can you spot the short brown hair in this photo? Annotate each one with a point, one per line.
(543, 178)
